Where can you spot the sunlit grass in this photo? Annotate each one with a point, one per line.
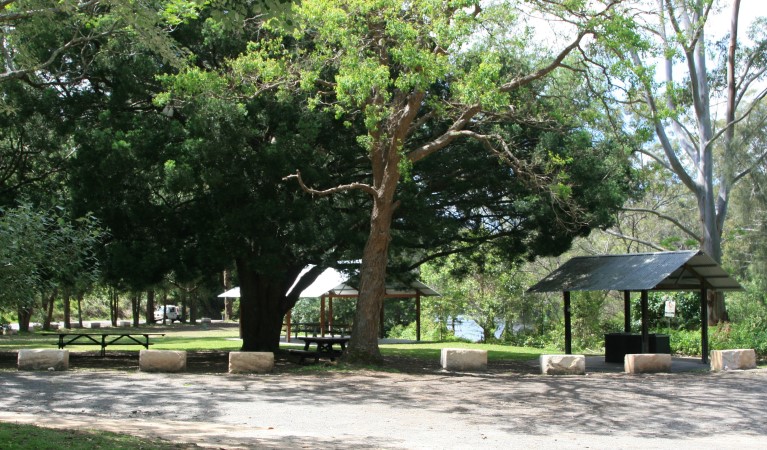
(431, 351)
(226, 338)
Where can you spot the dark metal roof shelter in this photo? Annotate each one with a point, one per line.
(665, 271)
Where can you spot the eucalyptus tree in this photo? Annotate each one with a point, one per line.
(395, 65)
(697, 103)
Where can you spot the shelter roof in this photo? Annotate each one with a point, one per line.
(334, 283)
(392, 290)
(664, 271)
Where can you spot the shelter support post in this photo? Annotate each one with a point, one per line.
(418, 316)
(645, 332)
(568, 325)
(288, 318)
(704, 323)
(330, 314)
(627, 311)
(322, 316)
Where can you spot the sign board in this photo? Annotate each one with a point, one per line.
(670, 308)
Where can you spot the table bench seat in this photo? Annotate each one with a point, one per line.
(104, 339)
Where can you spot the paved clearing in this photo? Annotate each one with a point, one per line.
(395, 410)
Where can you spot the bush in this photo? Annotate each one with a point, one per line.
(722, 337)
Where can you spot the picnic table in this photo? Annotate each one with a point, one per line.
(323, 347)
(104, 339)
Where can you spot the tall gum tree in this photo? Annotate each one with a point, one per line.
(395, 65)
(694, 95)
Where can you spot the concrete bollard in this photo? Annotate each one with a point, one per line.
(162, 360)
(739, 359)
(251, 362)
(647, 363)
(43, 359)
(463, 359)
(563, 364)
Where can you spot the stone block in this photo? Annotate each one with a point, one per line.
(647, 363)
(123, 323)
(463, 359)
(563, 364)
(739, 359)
(43, 359)
(251, 362)
(162, 360)
(205, 320)
(95, 324)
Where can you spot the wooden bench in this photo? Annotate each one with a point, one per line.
(104, 339)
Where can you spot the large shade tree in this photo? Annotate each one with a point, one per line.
(394, 66)
(695, 94)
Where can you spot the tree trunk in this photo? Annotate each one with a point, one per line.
(80, 296)
(262, 309)
(25, 314)
(136, 308)
(150, 306)
(363, 346)
(114, 307)
(49, 310)
(67, 309)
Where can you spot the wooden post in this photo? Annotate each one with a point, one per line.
(322, 315)
(418, 316)
(645, 332)
(568, 325)
(288, 316)
(330, 314)
(704, 323)
(627, 311)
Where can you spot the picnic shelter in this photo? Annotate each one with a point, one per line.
(639, 272)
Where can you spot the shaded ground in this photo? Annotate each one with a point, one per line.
(373, 410)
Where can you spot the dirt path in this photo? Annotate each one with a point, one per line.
(414, 411)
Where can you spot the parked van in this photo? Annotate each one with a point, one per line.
(170, 312)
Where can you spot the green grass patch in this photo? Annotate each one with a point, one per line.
(29, 437)
(432, 350)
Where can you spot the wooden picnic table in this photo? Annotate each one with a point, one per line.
(104, 339)
(323, 347)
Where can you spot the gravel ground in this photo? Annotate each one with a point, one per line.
(423, 408)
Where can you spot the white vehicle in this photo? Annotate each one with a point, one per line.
(170, 312)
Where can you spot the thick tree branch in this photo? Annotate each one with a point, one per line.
(342, 188)
(447, 137)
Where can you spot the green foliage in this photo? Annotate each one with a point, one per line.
(41, 250)
(687, 310)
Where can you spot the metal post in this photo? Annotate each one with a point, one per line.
(568, 326)
(645, 332)
(627, 311)
(704, 323)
